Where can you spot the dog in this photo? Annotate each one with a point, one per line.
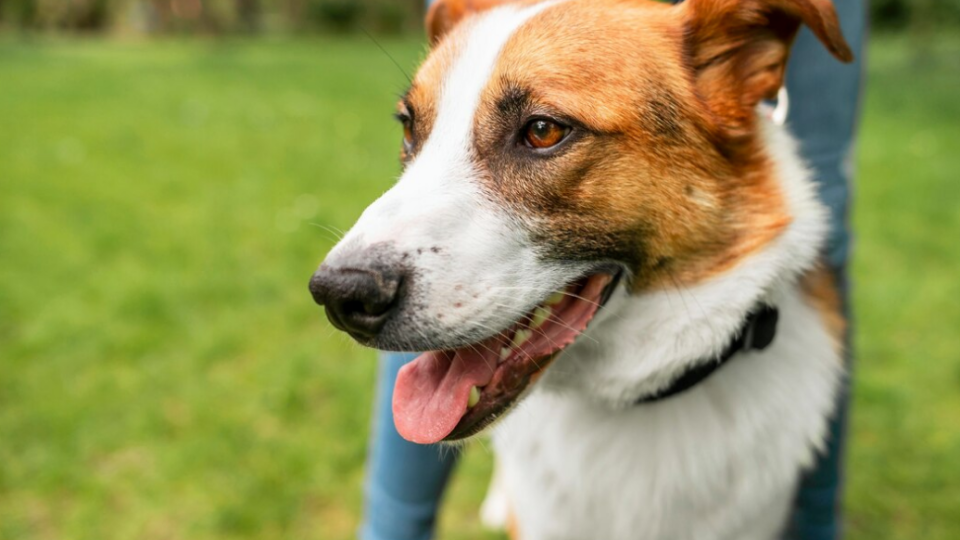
(611, 253)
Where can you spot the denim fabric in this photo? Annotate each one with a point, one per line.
(405, 481)
(825, 106)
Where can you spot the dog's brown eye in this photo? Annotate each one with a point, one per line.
(405, 116)
(407, 135)
(542, 133)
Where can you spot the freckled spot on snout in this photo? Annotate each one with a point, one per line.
(435, 249)
(458, 305)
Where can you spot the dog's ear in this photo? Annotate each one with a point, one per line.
(445, 14)
(739, 50)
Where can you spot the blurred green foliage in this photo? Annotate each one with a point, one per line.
(341, 15)
(209, 16)
(899, 14)
(245, 16)
(65, 15)
(164, 373)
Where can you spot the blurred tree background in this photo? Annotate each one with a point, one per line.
(217, 17)
(209, 17)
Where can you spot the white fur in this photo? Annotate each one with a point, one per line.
(484, 273)
(718, 462)
(495, 512)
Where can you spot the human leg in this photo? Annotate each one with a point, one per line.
(405, 481)
(825, 98)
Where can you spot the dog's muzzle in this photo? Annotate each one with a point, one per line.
(358, 295)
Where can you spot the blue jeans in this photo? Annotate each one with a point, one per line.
(405, 481)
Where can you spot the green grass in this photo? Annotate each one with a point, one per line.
(164, 374)
(904, 461)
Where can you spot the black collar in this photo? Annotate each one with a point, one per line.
(756, 333)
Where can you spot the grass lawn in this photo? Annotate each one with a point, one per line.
(165, 375)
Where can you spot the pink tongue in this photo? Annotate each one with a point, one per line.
(431, 393)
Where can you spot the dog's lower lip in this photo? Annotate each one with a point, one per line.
(513, 382)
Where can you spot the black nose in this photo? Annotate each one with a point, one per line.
(357, 300)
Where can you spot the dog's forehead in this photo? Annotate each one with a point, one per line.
(451, 80)
(573, 55)
(583, 60)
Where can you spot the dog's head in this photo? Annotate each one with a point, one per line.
(550, 149)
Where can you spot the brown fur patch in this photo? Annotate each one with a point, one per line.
(820, 291)
(444, 15)
(664, 169)
(641, 179)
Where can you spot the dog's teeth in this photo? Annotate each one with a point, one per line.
(554, 298)
(474, 397)
(504, 353)
(520, 338)
(540, 316)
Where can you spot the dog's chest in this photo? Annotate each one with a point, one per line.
(719, 462)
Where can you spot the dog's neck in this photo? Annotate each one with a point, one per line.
(639, 344)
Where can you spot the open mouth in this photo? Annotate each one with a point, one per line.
(453, 394)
